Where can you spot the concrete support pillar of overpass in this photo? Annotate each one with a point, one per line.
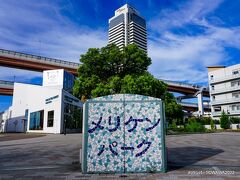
(200, 103)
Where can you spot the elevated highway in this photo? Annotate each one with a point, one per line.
(186, 88)
(39, 63)
(6, 88)
(193, 107)
(25, 61)
(190, 91)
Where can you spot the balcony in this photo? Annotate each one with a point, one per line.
(225, 90)
(236, 112)
(224, 79)
(225, 101)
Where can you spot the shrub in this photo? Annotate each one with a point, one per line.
(235, 120)
(216, 121)
(212, 124)
(173, 125)
(224, 121)
(202, 120)
(192, 119)
(206, 120)
(179, 121)
(195, 126)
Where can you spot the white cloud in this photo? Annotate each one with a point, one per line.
(191, 11)
(40, 28)
(185, 57)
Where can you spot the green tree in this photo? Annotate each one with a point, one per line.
(108, 71)
(172, 109)
(224, 121)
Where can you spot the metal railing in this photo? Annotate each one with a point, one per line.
(229, 112)
(47, 60)
(188, 85)
(6, 84)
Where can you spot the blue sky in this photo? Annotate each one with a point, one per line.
(184, 36)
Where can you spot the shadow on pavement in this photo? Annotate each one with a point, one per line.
(187, 156)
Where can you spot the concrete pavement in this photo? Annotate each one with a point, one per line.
(197, 156)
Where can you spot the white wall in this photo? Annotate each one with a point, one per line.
(217, 74)
(34, 97)
(223, 74)
(14, 125)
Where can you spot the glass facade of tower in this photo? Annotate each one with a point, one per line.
(68, 82)
(128, 27)
(137, 19)
(116, 21)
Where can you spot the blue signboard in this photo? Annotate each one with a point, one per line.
(123, 133)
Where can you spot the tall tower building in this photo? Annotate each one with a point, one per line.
(127, 27)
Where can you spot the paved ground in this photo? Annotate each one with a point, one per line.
(196, 156)
(17, 136)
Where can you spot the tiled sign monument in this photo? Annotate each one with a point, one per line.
(123, 133)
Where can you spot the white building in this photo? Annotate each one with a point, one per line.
(127, 27)
(14, 124)
(224, 87)
(50, 108)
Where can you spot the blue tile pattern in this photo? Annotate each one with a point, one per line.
(124, 134)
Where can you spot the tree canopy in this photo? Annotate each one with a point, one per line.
(108, 71)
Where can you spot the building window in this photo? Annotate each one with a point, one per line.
(213, 98)
(233, 107)
(235, 72)
(236, 95)
(72, 116)
(36, 120)
(50, 119)
(217, 109)
(238, 107)
(235, 83)
(213, 88)
(211, 77)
